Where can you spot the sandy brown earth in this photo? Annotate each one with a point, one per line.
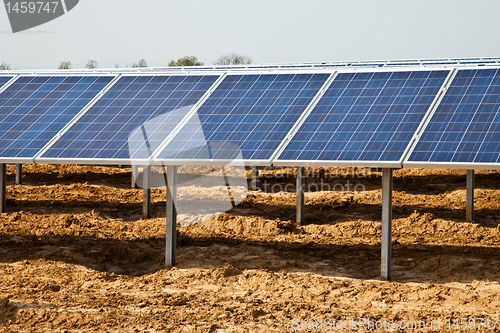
(76, 256)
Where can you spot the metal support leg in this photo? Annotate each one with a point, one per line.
(3, 188)
(19, 174)
(171, 223)
(146, 192)
(135, 172)
(386, 222)
(300, 195)
(255, 179)
(469, 212)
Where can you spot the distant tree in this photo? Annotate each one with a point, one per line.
(5, 67)
(232, 59)
(140, 64)
(185, 61)
(92, 64)
(65, 65)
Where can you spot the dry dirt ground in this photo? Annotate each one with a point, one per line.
(76, 256)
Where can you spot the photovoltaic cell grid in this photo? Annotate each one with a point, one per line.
(4, 80)
(247, 113)
(34, 109)
(132, 118)
(465, 127)
(365, 117)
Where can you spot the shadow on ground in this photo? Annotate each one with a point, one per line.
(416, 263)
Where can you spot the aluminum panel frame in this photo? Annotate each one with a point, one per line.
(361, 164)
(16, 160)
(212, 162)
(452, 165)
(92, 161)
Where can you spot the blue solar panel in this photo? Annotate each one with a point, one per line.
(4, 80)
(365, 117)
(465, 127)
(251, 113)
(132, 118)
(34, 109)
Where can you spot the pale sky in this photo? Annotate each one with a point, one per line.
(273, 31)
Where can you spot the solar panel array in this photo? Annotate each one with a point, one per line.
(434, 117)
(131, 119)
(34, 109)
(252, 113)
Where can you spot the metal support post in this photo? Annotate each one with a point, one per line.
(135, 172)
(300, 195)
(171, 223)
(146, 192)
(386, 222)
(19, 174)
(469, 210)
(255, 179)
(3, 188)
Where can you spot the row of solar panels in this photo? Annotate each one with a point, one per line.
(297, 66)
(416, 118)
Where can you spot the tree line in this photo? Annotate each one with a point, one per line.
(224, 60)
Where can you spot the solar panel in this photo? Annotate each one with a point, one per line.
(251, 113)
(4, 80)
(35, 108)
(465, 128)
(364, 118)
(131, 119)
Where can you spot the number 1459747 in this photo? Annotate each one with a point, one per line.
(24, 7)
